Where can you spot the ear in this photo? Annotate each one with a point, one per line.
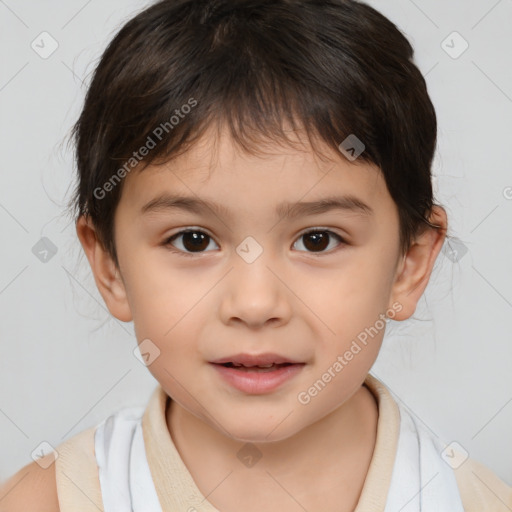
(106, 274)
(413, 272)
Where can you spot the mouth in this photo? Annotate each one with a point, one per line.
(256, 360)
(259, 368)
(257, 374)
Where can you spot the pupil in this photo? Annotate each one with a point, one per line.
(194, 240)
(320, 241)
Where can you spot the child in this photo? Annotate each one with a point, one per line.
(255, 194)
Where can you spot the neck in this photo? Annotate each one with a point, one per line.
(334, 451)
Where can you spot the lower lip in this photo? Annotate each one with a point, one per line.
(257, 382)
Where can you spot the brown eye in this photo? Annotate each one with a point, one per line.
(318, 241)
(192, 241)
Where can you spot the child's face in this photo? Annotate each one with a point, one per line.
(304, 302)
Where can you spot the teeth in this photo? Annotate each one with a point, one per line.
(255, 365)
(238, 365)
(260, 368)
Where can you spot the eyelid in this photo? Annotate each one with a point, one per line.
(333, 231)
(321, 229)
(167, 240)
(192, 228)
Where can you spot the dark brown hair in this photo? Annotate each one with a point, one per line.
(331, 67)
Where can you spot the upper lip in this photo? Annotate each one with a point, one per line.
(255, 359)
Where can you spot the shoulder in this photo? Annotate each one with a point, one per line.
(481, 489)
(32, 488)
(64, 480)
(77, 474)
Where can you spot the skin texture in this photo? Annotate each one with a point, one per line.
(292, 300)
(33, 487)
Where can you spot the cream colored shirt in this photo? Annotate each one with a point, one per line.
(78, 484)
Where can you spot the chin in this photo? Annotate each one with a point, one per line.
(257, 431)
(259, 436)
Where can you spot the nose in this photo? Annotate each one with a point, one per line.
(255, 294)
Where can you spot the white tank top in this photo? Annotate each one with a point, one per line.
(123, 470)
(421, 480)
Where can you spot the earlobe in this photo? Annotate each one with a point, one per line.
(414, 271)
(106, 274)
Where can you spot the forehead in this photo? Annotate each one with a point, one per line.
(217, 170)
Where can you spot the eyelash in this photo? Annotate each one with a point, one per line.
(168, 242)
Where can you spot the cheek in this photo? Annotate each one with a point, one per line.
(174, 333)
(351, 303)
(356, 293)
(160, 296)
(167, 308)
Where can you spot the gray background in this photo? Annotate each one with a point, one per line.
(66, 364)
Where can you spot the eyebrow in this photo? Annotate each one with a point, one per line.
(287, 210)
